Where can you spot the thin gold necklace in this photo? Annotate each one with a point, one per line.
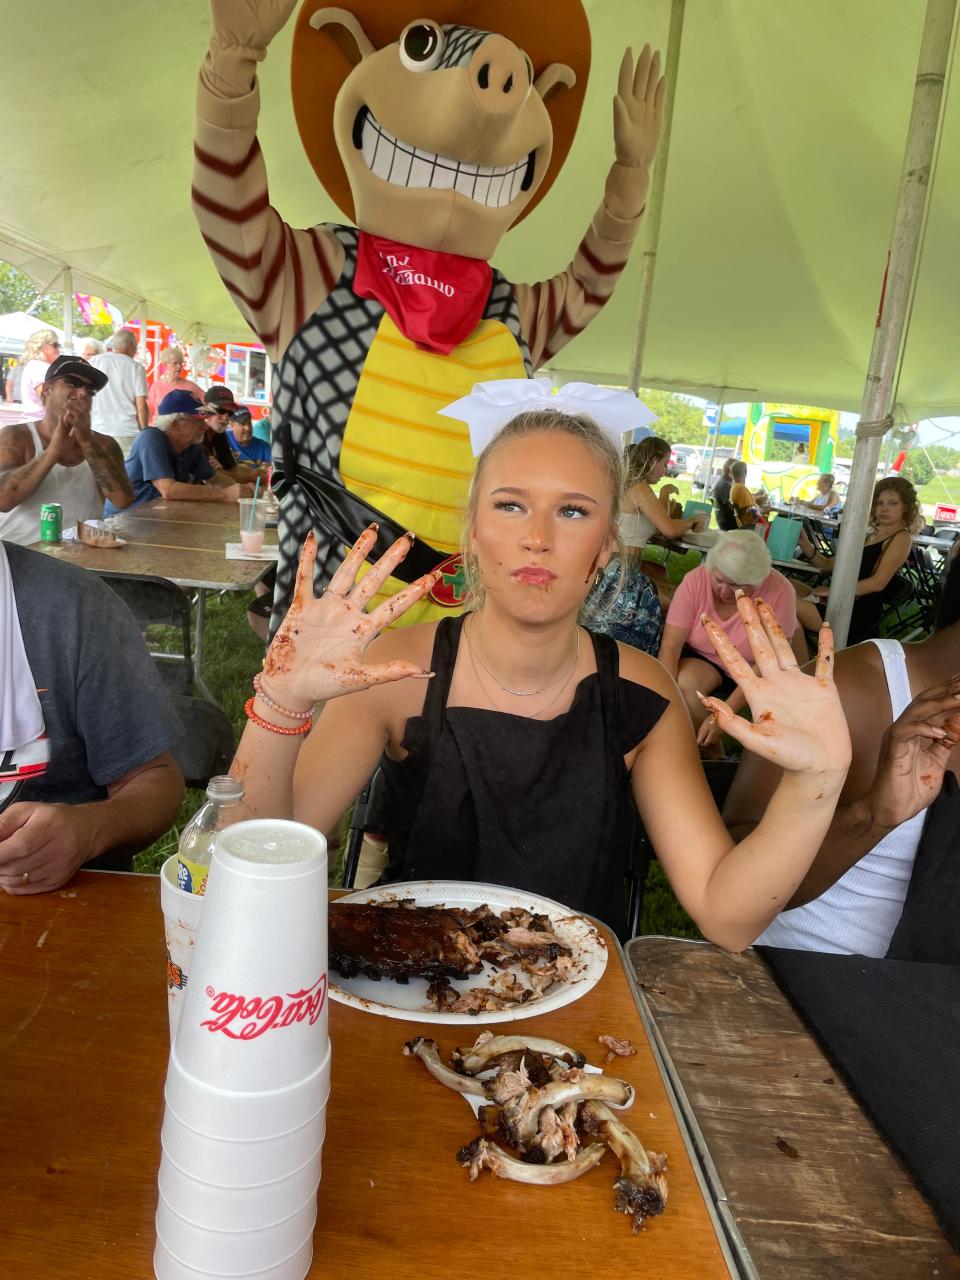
(521, 693)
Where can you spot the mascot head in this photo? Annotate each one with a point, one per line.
(439, 126)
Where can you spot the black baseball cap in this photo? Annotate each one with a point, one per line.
(242, 415)
(220, 399)
(74, 367)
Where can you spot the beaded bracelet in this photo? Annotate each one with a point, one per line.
(285, 730)
(275, 706)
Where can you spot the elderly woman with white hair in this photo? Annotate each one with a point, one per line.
(170, 366)
(737, 561)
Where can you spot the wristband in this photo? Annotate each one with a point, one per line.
(284, 730)
(275, 706)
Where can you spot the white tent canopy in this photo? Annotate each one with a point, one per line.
(787, 142)
(16, 327)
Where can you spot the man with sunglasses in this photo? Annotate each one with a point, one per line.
(217, 410)
(60, 458)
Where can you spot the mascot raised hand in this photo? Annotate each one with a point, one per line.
(435, 126)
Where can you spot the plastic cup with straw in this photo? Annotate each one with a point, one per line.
(253, 519)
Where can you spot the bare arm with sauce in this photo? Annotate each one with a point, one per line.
(897, 768)
(318, 654)
(733, 890)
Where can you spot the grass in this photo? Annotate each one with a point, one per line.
(940, 489)
(232, 654)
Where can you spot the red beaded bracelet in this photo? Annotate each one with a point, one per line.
(275, 706)
(285, 730)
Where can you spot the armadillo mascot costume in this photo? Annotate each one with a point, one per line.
(435, 125)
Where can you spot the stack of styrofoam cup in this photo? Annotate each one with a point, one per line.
(249, 1071)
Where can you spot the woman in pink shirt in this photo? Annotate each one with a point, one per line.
(170, 378)
(737, 561)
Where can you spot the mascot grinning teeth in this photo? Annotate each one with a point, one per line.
(434, 134)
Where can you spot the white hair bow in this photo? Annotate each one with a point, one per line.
(491, 405)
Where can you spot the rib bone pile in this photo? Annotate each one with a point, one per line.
(547, 1120)
(400, 940)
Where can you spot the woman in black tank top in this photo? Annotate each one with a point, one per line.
(520, 759)
(895, 512)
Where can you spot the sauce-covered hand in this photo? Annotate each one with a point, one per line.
(798, 722)
(318, 651)
(914, 754)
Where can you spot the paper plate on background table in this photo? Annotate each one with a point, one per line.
(705, 538)
(408, 1001)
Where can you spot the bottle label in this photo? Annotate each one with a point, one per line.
(192, 876)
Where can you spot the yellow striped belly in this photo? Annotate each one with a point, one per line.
(400, 455)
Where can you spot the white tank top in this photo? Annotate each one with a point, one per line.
(858, 914)
(73, 487)
(635, 529)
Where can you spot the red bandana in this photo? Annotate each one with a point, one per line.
(435, 299)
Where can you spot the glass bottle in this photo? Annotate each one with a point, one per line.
(222, 808)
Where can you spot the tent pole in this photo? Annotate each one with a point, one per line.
(708, 474)
(68, 310)
(876, 408)
(654, 210)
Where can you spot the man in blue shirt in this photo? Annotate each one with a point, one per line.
(167, 460)
(242, 441)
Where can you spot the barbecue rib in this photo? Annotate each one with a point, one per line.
(401, 942)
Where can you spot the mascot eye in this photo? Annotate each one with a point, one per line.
(421, 45)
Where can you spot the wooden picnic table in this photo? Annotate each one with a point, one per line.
(833, 1201)
(84, 1043)
(183, 542)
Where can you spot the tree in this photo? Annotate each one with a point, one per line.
(678, 421)
(943, 457)
(18, 293)
(917, 468)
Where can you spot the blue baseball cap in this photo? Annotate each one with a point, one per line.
(181, 402)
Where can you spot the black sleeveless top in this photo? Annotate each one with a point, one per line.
(929, 929)
(865, 617)
(539, 805)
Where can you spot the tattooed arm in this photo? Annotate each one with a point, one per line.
(21, 471)
(106, 462)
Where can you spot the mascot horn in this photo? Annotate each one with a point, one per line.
(435, 129)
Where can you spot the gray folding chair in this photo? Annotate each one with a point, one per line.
(206, 748)
(155, 602)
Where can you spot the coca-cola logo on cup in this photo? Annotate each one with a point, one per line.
(246, 1017)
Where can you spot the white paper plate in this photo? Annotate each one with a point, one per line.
(409, 1001)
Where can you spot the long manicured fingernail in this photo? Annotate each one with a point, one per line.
(411, 535)
(373, 527)
(704, 619)
(940, 733)
(738, 593)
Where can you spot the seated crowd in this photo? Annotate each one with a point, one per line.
(90, 449)
(512, 727)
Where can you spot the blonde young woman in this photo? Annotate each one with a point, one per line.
(170, 367)
(513, 741)
(626, 602)
(40, 349)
